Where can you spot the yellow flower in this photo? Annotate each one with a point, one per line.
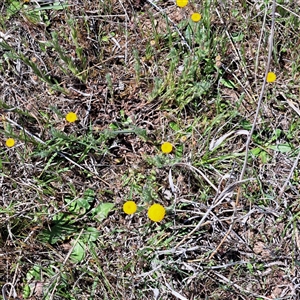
(10, 142)
(182, 3)
(166, 147)
(196, 17)
(183, 138)
(156, 212)
(71, 117)
(129, 207)
(271, 77)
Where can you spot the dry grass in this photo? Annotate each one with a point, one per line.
(138, 73)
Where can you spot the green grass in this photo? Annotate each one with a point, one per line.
(138, 75)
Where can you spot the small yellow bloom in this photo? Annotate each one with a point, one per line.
(183, 138)
(71, 117)
(196, 17)
(182, 3)
(271, 77)
(156, 212)
(129, 207)
(10, 142)
(166, 147)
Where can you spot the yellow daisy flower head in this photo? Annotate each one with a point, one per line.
(10, 142)
(182, 3)
(166, 147)
(271, 77)
(196, 17)
(156, 212)
(71, 117)
(129, 207)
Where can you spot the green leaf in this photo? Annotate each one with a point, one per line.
(264, 156)
(101, 211)
(81, 205)
(250, 267)
(256, 151)
(54, 6)
(90, 235)
(237, 36)
(89, 195)
(33, 17)
(179, 151)
(26, 291)
(174, 126)
(78, 252)
(283, 148)
(34, 273)
(62, 218)
(147, 194)
(13, 8)
(227, 83)
(58, 232)
(113, 126)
